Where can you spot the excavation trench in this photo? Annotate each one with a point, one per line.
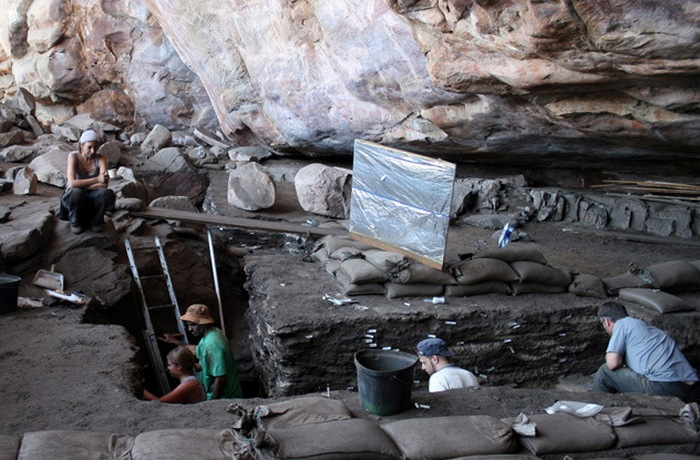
(289, 340)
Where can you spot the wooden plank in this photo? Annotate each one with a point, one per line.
(238, 222)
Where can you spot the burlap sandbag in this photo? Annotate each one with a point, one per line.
(479, 270)
(487, 287)
(9, 447)
(450, 437)
(360, 271)
(535, 288)
(656, 430)
(348, 288)
(675, 275)
(666, 456)
(346, 252)
(184, 444)
(341, 439)
(335, 242)
(302, 411)
(71, 445)
(386, 261)
(499, 457)
(513, 254)
(563, 433)
(416, 272)
(536, 273)
(397, 290)
(660, 301)
(613, 284)
(583, 285)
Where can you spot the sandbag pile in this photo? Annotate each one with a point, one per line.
(361, 269)
(319, 427)
(664, 287)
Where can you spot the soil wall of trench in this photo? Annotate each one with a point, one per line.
(302, 343)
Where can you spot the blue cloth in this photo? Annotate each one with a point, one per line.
(649, 351)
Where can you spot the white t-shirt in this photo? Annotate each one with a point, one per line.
(451, 377)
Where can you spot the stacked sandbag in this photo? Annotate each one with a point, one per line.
(507, 271)
(414, 279)
(70, 445)
(309, 427)
(618, 428)
(359, 269)
(656, 286)
(451, 437)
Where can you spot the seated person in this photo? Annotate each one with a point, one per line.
(87, 197)
(183, 366)
(642, 359)
(444, 375)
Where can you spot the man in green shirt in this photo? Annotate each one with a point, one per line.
(218, 374)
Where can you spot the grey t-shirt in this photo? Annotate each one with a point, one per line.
(649, 351)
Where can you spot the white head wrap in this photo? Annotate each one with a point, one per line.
(89, 136)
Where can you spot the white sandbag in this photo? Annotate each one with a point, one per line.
(341, 439)
(183, 444)
(487, 287)
(397, 290)
(302, 411)
(660, 301)
(584, 285)
(452, 436)
(9, 447)
(536, 273)
(416, 272)
(479, 270)
(71, 445)
(563, 433)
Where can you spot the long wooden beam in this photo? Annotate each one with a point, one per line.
(239, 222)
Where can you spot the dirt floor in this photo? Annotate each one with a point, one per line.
(62, 374)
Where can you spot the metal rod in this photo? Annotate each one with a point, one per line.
(216, 280)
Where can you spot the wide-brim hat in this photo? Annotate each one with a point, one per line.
(198, 313)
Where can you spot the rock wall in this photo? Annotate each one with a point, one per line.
(497, 81)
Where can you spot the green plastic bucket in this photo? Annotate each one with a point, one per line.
(385, 380)
(9, 292)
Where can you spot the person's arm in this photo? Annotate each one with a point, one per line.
(103, 176)
(100, 181)
(181, 394)
(613, 360)
(219, 386)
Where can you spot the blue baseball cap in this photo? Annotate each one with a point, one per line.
(433, 346)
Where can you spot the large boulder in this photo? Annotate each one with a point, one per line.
(324, 190)
(251, 188)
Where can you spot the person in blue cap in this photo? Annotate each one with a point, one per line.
(435, 360)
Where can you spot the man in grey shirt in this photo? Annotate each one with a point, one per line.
(435, 360)
(642, 359)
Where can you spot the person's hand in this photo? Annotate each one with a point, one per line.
(174, 339)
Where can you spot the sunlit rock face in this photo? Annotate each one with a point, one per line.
(484, 80)
(108, 58)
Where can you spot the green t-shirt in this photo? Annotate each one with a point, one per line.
(215, 357)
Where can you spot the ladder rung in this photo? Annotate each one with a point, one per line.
(160, 307)
(151, 277)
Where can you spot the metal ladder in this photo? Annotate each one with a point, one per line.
(150, 335)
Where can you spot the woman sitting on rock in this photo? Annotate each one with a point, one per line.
(87, 197)
(183, 366)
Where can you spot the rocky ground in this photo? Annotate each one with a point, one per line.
(63, 371)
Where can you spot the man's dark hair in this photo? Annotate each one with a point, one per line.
(612, 310)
